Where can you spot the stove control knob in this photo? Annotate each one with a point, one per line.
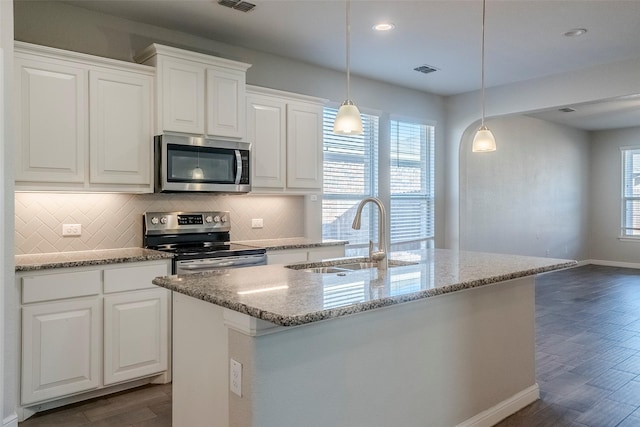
(224, 219)
(163, 220)
(216, 219)
(155, 220)
(209, 219)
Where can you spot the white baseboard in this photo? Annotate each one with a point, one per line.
(613, 263)
(502, 410)
(10, 421)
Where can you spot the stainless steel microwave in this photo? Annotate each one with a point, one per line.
(193, 164)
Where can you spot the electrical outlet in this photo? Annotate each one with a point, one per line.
(235, 377)
(71, 229)
(257, 223)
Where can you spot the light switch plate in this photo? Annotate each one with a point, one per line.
(257, 223)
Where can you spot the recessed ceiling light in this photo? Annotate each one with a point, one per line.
(384, 26)
(575, 32)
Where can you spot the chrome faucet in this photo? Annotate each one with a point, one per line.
(380, 256)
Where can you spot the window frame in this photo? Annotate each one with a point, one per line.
(429, 195)
(624, 198)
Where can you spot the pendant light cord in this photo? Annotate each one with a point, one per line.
(484, 3)
(348, 26)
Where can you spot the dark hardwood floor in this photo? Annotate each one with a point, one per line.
(588, 361)
(147, 406)
(587, 349)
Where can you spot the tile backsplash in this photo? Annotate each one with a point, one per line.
(111, 221)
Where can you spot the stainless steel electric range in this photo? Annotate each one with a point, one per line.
(199, 241)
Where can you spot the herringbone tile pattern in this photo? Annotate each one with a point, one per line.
(111, 221)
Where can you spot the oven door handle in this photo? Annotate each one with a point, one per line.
(221, 263)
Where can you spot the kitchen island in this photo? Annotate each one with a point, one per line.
(445, 341)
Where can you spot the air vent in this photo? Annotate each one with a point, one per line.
(567, 110)
(242, 6)
(426, 69)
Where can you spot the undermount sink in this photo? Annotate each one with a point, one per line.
(362, 265)
(343, 265)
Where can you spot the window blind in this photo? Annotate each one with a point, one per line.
(412, 181)
(631, 191)
(350, 174)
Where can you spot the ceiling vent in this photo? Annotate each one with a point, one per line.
(242, 6)
(426, 69)
(567, 110)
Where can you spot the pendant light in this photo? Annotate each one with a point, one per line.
(484, 140)
(348, 120)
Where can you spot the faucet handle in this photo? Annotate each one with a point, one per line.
(370, 249)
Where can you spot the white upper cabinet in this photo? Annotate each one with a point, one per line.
(196, 93)
(304, 146)
(181, 91)
(266, 129)
(51, 105)
(83, 123)
(120, 129)
(225, 102)
(285, 131)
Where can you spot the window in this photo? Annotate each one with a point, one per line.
(631, 192)
(350, 174)
(411, 181)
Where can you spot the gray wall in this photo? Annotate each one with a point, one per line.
(605, 206)
(530, 197)
(462, 112)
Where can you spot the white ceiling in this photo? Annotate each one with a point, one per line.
(524, 38)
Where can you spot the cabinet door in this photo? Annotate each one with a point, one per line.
(182, 100)
(225, 103)
(60, 349)
(304, 146)
(266, 130)
(135, 334)
(51, 132)
(120, 128)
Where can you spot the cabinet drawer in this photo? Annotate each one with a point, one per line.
(57, 286)
(132, 278)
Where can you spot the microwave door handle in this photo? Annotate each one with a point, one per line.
(239, 168)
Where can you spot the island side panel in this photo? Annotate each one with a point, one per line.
(200, 364)
(435, 362)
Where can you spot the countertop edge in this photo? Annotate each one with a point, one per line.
(274, 245)
(86, 258)
(297, 320)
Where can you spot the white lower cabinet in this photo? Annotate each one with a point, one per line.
(60, 348)
(90, 328)
(135, 334)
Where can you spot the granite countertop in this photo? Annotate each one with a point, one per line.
(290, 243)
(33, 262)
(289, 297)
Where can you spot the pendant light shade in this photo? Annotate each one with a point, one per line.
(348, 120)
(484, 140)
